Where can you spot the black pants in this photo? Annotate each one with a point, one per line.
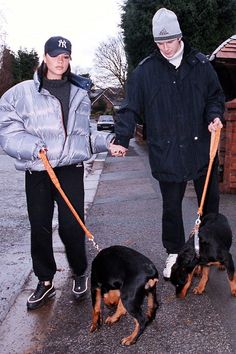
(173, 237)
(41, 195)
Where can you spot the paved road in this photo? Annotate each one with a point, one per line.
(127, 210)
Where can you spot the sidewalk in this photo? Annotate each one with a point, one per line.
(126, 209)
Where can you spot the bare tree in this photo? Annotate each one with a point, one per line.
(110, 62)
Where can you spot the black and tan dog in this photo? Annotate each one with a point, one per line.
(215, 239)
(123, 277)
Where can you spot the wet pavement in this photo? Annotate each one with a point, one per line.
(126, 209)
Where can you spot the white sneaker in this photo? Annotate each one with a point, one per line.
(170, 261)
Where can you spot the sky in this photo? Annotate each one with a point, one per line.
(86, 23)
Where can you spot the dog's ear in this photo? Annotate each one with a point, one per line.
(187, 260)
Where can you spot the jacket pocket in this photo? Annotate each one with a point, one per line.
(162, 156)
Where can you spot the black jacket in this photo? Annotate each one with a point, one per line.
(177, 106)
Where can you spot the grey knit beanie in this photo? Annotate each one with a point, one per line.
(165, 25)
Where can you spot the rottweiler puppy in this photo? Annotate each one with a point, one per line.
(215, 239)
(122, 277)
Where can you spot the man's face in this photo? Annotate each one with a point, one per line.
(170, 47)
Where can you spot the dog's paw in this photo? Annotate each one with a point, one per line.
(94, 327)
(111, 319)
(128, 340)
(233, 292)
(198, 291)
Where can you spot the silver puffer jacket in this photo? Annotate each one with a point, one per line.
(31, 120)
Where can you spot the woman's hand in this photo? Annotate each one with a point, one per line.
(117, 150)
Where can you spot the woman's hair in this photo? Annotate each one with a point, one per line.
(42, 73)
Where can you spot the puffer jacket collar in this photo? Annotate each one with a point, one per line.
(77, 80)
(80, 81)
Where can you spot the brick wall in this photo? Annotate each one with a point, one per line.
(227, 150)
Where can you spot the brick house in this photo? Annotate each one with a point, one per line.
(106, 101)
(224, 61)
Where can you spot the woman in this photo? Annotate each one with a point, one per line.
(51, 113)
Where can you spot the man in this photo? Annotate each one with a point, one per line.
(177, 94)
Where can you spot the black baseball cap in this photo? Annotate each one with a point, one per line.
(56, 46)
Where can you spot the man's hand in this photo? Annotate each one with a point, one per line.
(117, 150)
(213, 126)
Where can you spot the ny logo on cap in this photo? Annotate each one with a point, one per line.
(62, 43)
(163, 32)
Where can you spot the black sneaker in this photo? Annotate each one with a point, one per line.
(40, 295)
(80, 286)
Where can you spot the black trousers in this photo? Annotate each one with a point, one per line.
(173, 237)
(41, 195)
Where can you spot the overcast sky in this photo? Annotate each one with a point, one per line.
(86, 23)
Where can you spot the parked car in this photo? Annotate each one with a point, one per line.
(105, 122)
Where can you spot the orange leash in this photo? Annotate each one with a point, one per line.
(56, 182)
(215, 138)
